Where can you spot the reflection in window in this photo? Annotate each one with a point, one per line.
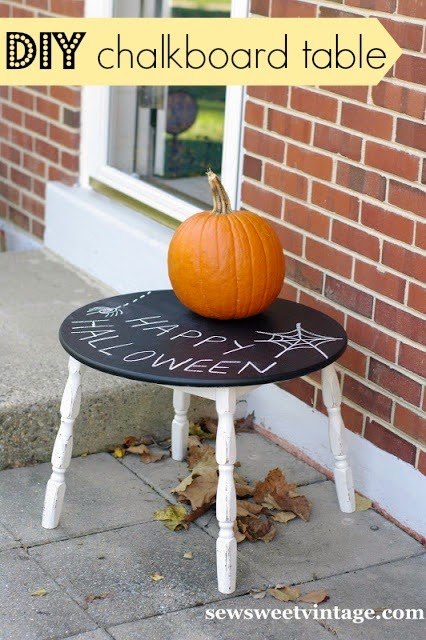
(169, 136)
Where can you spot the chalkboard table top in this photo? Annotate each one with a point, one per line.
(151, 336)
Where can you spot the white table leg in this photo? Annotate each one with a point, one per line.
(336, 430)
(226, 502)
(62, 449)
(180, 424)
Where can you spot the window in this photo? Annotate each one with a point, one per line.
(157, 142)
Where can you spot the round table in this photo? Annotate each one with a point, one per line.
(151, 336)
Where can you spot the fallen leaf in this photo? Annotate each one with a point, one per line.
(188, 555)
(173, 515)
(276, 491)
(181, 487)
(119, 452)
(194, 441)
(362, 503)
(200, 457)
(84, 455)
(237, 533)
(98, 596)
(201, 490)
(315, 597)
(39, 592)
(138, 449)
(285, 594)
(245, 424)
(131, 441)
(156, 576)
(256, 528)
(196, 513)
(283, 516)
(242, 489)
(152, 456)
(260, 595)
(146, 454)
(196, 430)
(247, 508)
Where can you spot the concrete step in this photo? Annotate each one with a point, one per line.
(37, 291)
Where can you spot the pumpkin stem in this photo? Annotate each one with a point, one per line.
(221, 202)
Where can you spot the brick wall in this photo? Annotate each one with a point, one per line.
(39, 131)
(340, 173)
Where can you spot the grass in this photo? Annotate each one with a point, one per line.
(200, 146)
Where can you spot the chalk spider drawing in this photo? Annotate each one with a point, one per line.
(108, 312)
(113, 312)
(298, 338)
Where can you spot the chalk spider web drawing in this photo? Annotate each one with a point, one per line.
(298, 338)
(113, 312)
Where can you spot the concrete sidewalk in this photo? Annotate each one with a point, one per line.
(37, 291)
(108, 543)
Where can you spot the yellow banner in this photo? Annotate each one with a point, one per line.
(194, 51)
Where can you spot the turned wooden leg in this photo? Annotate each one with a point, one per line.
(336, 430)
(62, 449)
(180, 424)
(226, 501)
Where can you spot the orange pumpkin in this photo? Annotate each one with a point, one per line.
(225, 264)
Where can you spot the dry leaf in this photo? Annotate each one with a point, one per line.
(275, 490)
(183, 485)
(196, 513)
(362, 503)
(256, 528)
(237, 533)
(156, 576)
(202, 489)
(245, 424)
(140, 448)
(146, 454)
(188, 555)
(315, 597)
(173, 515)
(119, 452)
(285, 594)
(85, 454)
(283, 516)
(151, 456)
(39, 592)
(247, 508)
(131, 441)
(98, 596)
(201, 456)
(194, 441)
(260, 595)
(196, 430)
(242, 489)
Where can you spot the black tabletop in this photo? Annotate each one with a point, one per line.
(151, 336)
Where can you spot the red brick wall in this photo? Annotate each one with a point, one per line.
(39, 131)
(340, 172)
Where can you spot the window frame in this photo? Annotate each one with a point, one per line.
(95, 132)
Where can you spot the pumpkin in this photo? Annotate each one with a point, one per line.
(225, 264)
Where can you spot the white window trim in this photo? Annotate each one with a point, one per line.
(94, 139)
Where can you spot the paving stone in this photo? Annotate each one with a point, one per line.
(192, 624)
(331, 542)
(395, 585)
(255, 453)
(101, 494)
(27, 617)
(7, 541)
(120, 562)
(99, 634)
